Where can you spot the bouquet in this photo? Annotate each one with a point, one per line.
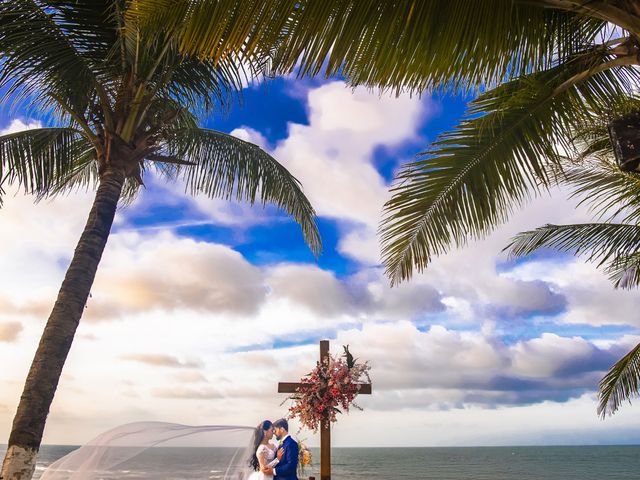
(304, 458)
(328, 390)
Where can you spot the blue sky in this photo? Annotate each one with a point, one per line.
(201, 306)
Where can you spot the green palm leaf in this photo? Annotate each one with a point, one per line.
(620, 383)
(203, 85)
(624, 271)
(595, 176)
(227, 167)
(83, 175)
(600, 242)
(613, 246)
(42, 59)
(400, 45)
(473, 177)
(39, 159)
(611, 194)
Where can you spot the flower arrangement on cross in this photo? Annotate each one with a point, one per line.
(329, 389)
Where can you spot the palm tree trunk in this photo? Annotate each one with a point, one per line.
(55, 343)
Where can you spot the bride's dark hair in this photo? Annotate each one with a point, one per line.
(258, 435)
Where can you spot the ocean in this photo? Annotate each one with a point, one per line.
(455, 463)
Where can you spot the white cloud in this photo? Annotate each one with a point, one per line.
(590, 296)
(18, 125)
(542, 357)
(547, 423)
(251, 135)
(206, 393)
(162, 360)
(332, 155)
(309, 287)
(405, 357)
(568, 289)
(442, 369)
(38, 239)
(404, 302)
(143, 273)
(361, 244)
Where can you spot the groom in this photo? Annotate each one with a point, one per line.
(287, 453)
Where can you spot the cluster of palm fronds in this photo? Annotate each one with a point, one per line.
(612, 242)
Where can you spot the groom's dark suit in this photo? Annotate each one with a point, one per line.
(288, 465)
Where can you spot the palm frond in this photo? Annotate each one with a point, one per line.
(90, 28)
(400, 45)
(389, 44)
(473, 177)
(214, 29)
(82, 175)
(592, 172)
(600, 242)
(610, 192)
(227, 167)
(591, 140)
(203, 86)
(48, 51)
(624, 271)
(622, 382)
(39, 159)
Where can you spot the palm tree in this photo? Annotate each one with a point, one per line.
(124, 102)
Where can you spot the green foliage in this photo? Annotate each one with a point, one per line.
(472, 178)
(401, 45)
(348, 357)
(613, 196)
(227, 167)
(36, 159)
(621, 383)
(608, 244)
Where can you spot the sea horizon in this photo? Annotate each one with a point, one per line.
(4, 445)
(506, 462)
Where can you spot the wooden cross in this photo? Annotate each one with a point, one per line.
(325, 426)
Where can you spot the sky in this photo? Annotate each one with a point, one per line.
(201, 306)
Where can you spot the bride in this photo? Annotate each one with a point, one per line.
(264, 452)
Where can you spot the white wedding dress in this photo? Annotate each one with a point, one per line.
(269, 456)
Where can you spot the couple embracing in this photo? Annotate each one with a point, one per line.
(272, 462)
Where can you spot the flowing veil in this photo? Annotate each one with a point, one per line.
(159, 450)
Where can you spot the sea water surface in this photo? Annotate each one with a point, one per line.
(450, 463)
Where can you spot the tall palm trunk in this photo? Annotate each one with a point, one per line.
(42, 381)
